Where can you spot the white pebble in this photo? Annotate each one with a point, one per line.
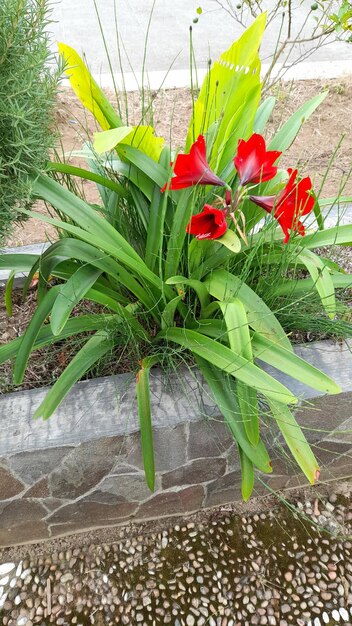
(317, 622)
(5, 568)
(190, 621)
(105, 578)
(13, 583)
(344, 614)
(17, 600)
(22, 621)
(19, 569)
(4, 581)
(25, 573)
(335, 615)
(3, 600)
(325, 617)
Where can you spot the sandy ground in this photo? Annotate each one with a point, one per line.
(312, 150)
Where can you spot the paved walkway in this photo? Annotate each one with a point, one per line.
(215, 569)
(168, 45)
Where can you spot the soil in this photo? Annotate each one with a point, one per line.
(312, 150)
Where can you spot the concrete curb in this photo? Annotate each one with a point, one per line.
(179, 79)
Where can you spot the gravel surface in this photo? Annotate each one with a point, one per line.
(290, 564)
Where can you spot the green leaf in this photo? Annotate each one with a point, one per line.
(240, 342)
(69, 247)
(176, 280)
(156, 222)
(130, 320)
(178, 234)
(329, 237)
(145, 420)
(224, 391)
(231, 241)
(8, 293)
(168, 314)
(95, 348)
(317, 212)
(18, 262)
(82, 213)
(74, 326)
(30, 336)
(247, 473)
(322, 280)
(226, 360)
(289, 131)
(71, 170)
(296, 441)
(139, 268)
(225, 286)
(144, 163)
(307, 285)
(70, 294)
(263, 114)
(293, 365)
(197, 285)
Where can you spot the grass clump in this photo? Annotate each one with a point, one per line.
(27, 95)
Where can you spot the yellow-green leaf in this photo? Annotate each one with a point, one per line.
(231, 241)
(144, 139)
(87, 90)
(108, 139)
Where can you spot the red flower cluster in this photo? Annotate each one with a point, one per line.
(254, 164)
(294, 201)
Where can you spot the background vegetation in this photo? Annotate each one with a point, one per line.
(27, 95)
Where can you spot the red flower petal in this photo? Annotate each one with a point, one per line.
(294, 201)
(209, 224)
(253, 162)
(193, 168)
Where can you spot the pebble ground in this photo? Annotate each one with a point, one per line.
(280, 566)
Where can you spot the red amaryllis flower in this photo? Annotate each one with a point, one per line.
(294, 201)
(209, 224)
(193, 168)
(253, 162)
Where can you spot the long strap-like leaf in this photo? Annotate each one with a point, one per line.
(95, 348)
(240, 341)
(145, 418)
(231, 363)
(224, 392)
(296, 440)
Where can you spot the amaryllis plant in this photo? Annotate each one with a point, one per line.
(175, 254)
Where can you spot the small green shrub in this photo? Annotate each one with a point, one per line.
(27, 95)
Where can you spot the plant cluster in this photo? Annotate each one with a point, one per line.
(27, 96)
(176, 251)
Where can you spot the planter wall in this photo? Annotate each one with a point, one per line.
(83, 469)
